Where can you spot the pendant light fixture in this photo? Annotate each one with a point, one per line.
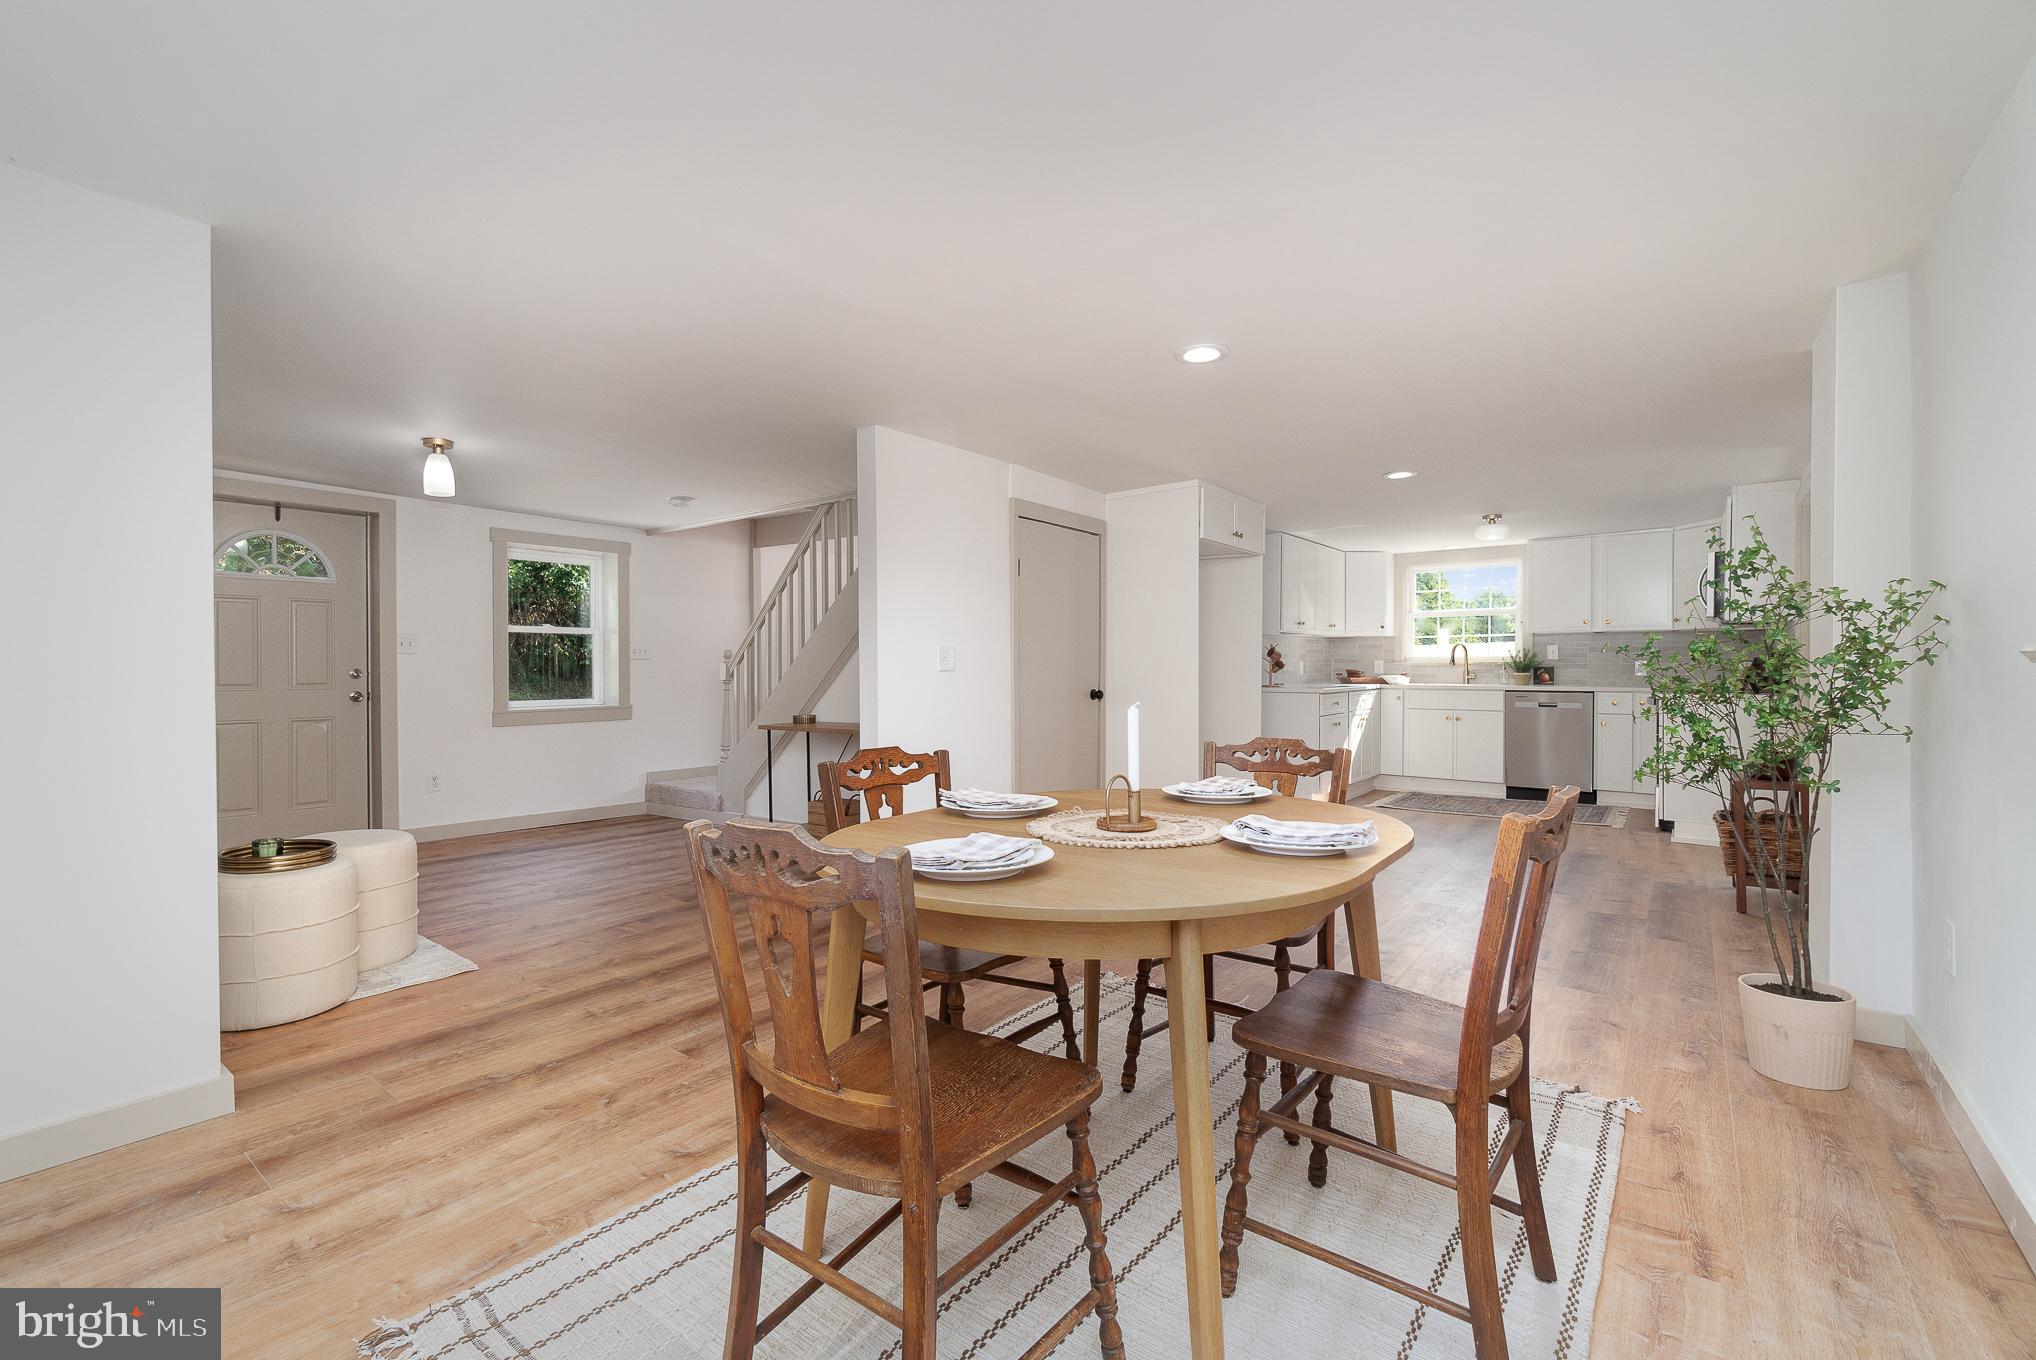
(437, 467)
(1491, 531)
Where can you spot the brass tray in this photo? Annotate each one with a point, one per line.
(297, 854)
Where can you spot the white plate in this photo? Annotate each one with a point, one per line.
(1231, 833)
(1003, 814)
(1040, 855)
(1217, 799)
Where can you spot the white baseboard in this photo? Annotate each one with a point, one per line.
(453, 830)
(1880, 1027)
(115, 1126)
(1982, 1148)
(689, 772)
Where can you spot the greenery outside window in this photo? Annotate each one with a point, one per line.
(561, 628)
(1475, 603)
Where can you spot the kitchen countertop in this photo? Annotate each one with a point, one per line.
(1455, 684)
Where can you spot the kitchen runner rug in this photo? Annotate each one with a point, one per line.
(653, 1281)
(430, 962)
(1590, 814)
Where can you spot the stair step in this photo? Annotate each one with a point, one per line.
(702, 793)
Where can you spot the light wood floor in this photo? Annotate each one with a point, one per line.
(387, 1153)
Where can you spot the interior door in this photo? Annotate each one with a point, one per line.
(1060, 657)
(290, 668)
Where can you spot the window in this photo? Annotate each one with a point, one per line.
(1473, 603)
(273, 554)
(561, 612)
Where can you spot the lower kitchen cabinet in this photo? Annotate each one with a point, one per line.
(1459, 735)
(1621, 741)
(1481, 746)
(1392, 725)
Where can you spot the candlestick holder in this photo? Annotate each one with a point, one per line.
(1134, 818)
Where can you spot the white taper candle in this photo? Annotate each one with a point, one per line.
(1131, 745)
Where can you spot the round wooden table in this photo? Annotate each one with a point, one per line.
(1177, 905)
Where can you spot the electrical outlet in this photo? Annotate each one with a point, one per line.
(945, 660)
(1951, 946)
(406, 643)
(431, 783)
(1554, 652)
(1639, 669)
(639, 651)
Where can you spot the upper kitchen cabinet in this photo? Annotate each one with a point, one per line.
(1562, 585)
(1690, 585)
(1368, 594)
(1231, 525)
(1303, 586)
(1634, 576)
(1771, 506)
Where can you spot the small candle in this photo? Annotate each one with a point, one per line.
(1131, 745)
(268, 847)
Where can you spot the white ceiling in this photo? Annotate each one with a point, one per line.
(1563, 259)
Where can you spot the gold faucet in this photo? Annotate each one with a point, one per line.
(1464, 647)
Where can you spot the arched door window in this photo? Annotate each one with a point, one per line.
(272, 554)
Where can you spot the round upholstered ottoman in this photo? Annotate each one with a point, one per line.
(386, 865)
(287, 943)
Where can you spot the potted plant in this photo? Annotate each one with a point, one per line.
(1752, 712)
(1521, 663)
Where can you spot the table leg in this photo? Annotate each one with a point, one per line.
(1361, 915)
(837, 1020)
(1092, 1008)
(1189, 1040)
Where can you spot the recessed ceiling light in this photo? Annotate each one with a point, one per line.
(1399, 476)
(678, 502)
(1202, 354)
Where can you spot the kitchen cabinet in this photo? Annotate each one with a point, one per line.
(1562, 585)
(1772, 507)
(1303, 586)
(1392, 726)
(1690, 583)
(1231, 525)
(1368, 594)
(1327, 720)
(1364, 737)
(1455, 734)
(1634, 580)
(1621, 741)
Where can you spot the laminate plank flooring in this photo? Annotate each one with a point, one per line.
(387, 1153)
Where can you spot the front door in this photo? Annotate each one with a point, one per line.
(1060, 657)
(290, 665)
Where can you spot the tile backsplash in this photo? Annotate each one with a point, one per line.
(1585, 658)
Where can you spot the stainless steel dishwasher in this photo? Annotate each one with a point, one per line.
(1548, 741)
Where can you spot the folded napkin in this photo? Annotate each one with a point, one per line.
(983, 850)
(1219, 784)
(1306, 833)
(985, 798)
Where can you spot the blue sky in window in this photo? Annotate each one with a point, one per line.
(1466, 582)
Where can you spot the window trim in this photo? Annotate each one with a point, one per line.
(1482, 651)
(611, 626)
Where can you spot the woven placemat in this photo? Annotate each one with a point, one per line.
(1175, 831)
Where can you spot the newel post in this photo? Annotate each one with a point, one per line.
(727, 701)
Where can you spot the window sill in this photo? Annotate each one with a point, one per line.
(530, 717)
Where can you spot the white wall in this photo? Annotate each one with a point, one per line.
(1974, 309)
(109, 983)
(688, 597)
(1861, 499)
(1153, 656)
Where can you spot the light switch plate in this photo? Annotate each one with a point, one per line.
(945, 660)
(406, 643)
(639, 651)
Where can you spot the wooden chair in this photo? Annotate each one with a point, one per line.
(904, 1110)
(879, 776)
(1280, 764)
(1334, 1025)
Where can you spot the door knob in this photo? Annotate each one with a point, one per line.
(356, 673)
(1095, 694)
(358, 696)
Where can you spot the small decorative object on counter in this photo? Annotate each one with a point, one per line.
(267, 847)
(1274, 663)
(1521, 666)
(1544, 675)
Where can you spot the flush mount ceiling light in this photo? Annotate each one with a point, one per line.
(678, 502)
(1399, 476)
(437, 467)
(1202, 354)
(1491, 531)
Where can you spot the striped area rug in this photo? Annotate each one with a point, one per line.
(1463, 805)
(653, 1281)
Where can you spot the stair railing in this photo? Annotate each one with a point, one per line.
(820, 567)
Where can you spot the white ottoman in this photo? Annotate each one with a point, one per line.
(287, 944)
(385, 863)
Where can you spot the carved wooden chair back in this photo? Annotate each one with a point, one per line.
(1281, 763)
(881, 774)
(1509, 939)
(785, 886)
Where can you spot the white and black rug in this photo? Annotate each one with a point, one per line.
(653, 1281)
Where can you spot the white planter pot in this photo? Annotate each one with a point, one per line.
(1804, 1043)
(1519, 677)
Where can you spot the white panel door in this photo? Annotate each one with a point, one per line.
(1297, 584)
(1059, 638)
(1325, 568)
(1430, 736)
(1561, 577)
(1634, 575)
(290, 671)
(1368, 594)
(1392, 725)
(1480, 745)
(1612, 753)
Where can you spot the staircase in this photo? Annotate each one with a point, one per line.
(796, 645)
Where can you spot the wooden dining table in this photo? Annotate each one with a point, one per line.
(1174, 904)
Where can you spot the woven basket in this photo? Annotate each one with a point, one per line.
(1767, 825)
